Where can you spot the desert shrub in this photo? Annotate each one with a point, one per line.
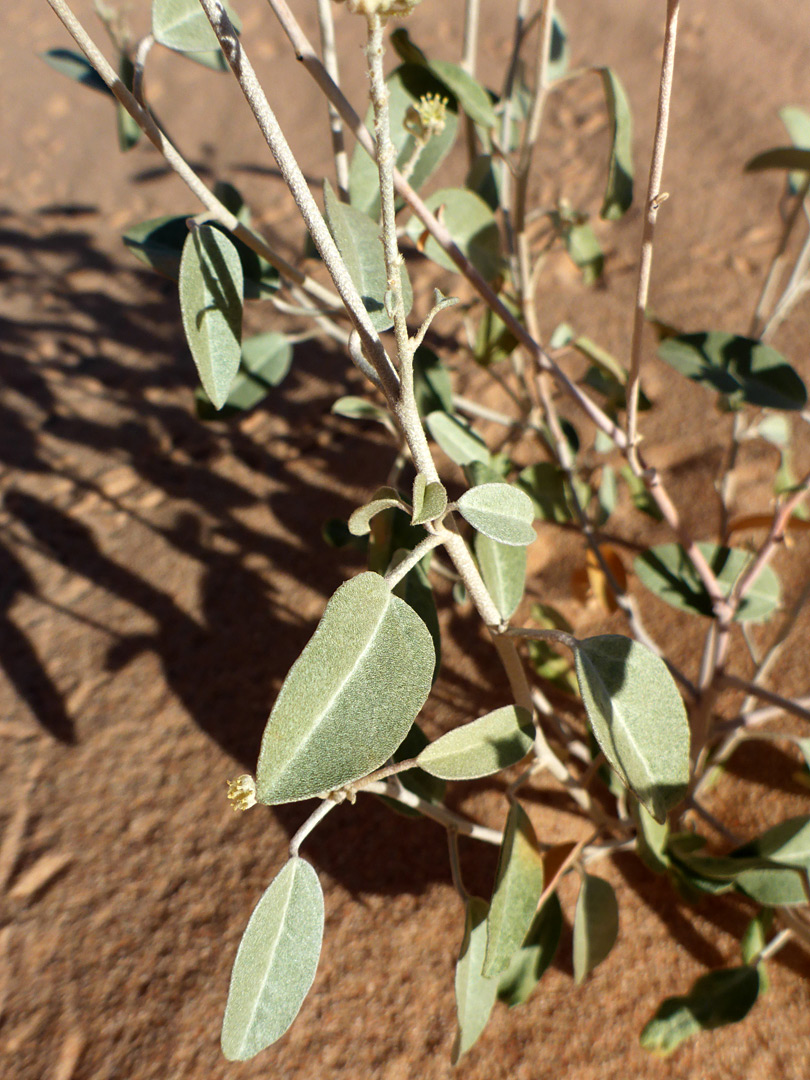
(632, 739)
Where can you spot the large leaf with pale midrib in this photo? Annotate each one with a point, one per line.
(532, 959)
(637, 716)
(503, 568)
(518, 885)
(351, 696)
(276, 962)
(475, 995)
(501, 512)
(485, 746)
(183, 25)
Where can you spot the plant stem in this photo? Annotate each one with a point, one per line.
(775, 269)
(654, 199)
(435, 811)
(291, 172)
(327, 27)
(314, 819)
(469, 56)
(733, 682)
(159, 140)
(559, 637)
(397, 573)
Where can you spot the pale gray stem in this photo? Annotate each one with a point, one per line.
(317, 815)
(397, 573)
(654, 198)
(766, 299)
(147, 124)
(291, 172)
(330, 61)
(394, 790)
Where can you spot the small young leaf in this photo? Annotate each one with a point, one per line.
(545, 485)
(493, 340)
(719, 998)
(607, 494)
(668, 572)
(642, 499)
(651, 839)
(429, 500)
(472, 226)
(182, 25)
(596, 924)
(406, 86)
(503, 568)
(358, 240)
(741, 368)
(619, 191)
(360, 521)
(585, 250)
(485, 746)
(797, 122)
(638, 718)
(499, 511)
(755, 936)
(529, 963)
(518, 885)
(211, 290)
(266, 359)
(276, 962)
(457, 439)
(432, 388)
(357, 408)
(76, 67)
(350, 698)
(475, 995)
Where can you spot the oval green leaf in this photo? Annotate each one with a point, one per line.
(531, 961)
(384, 498)
(499, 511)
(782, 157)
(619, 190)
(432, 387)
(518, 885)
(719, 998)
(585, 251)
(485, 746)
(668, 572)
(358, 240)
(457, 439)
(266, 359)
(429, 500)
(638, 718)
(211, 294)
(797, 122)
(351, 696)
(475, 995)
(276, 962)
(596, 924)
(741, 368)
(472, 226)
(76, 67)
(182, 25)
(503, 568)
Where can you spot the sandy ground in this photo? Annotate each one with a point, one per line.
(160, 576)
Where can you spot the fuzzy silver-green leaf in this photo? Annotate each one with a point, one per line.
(475, 995)
(518, 885)
(351, 696)
(501, 512)
(485, 746)
(276, 962)
(596, 924)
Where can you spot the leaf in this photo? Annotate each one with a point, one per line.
(642, 499)
(350, 698)
(545, 485)
(159, 244)
(797, 122)
(742, 368)
(619, 190)
(755, 935)
(360, 520)
(76, 67)
(585, 250)
(787, 845)
(638, 718)
(266, 360)
(475, 995)
(183, 25)
(483, 179)
(518, 885)
(416, 591)
(211, 289)
(493, 340)
(276, 962)
(651, 839)
(471, 225)
(503, 568)
(485, 746)
(782, 157)
(429, 500)
(530, 962)
(607, 494)
(458, 440)
(719, 998)
(668, 572)
(129, 132)
(406, 85)
(596, 924)
(358, 240)
(432, 388)
(501, 512)
(357, 408)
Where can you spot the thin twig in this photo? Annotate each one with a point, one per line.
(330, 61)
(314, 819)
(392, 789)
(654, 199)
(777, 263)
(733, 682)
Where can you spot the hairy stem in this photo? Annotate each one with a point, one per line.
(327, 28)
